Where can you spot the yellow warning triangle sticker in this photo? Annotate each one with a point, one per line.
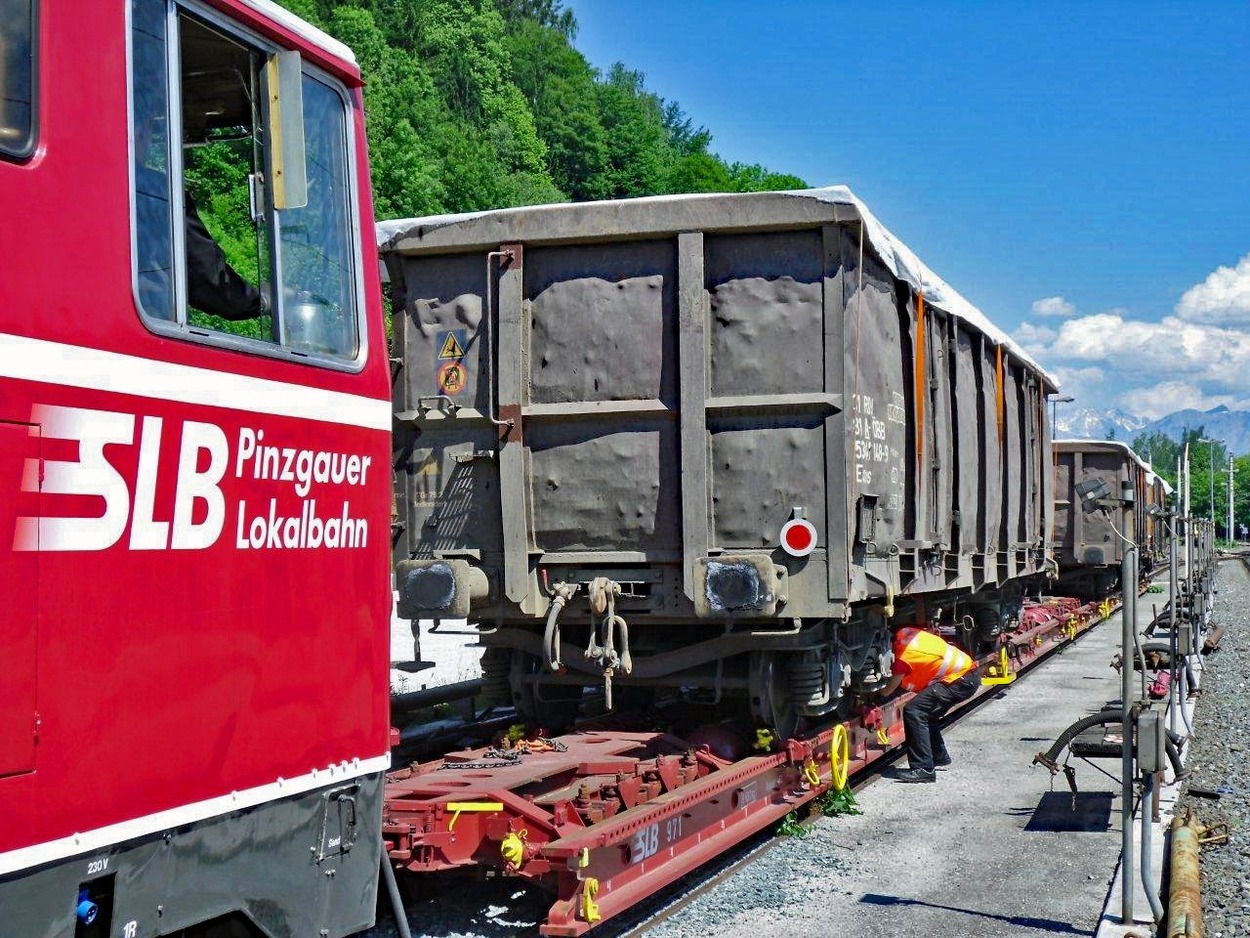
(451, 348)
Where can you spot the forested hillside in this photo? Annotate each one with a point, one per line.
(475, 104)
(472, 104)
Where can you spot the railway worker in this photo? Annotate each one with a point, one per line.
(941, 676)
(213, 286)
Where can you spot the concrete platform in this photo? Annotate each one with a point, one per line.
(995, 848)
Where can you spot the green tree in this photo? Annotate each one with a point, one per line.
(545, 13)
(1161, 452)
(559, 85)
(699, 172)
(1241, 495)
(463, 42)
(638, 153)
(404, 115)
(1208, 469)
(755, 178)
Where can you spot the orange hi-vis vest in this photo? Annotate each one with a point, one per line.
(927, 658)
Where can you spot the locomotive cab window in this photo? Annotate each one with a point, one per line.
(17, 77)
(243, 233)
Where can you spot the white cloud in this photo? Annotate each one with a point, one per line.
(1069, 376)
(1033, 338)
(1223, 298)
(1198, 357)
(1053, 306)
(1086, 385)
(1152, 368)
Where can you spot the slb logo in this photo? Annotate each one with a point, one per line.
(202, 461)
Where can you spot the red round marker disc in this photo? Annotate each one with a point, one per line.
(798, 537)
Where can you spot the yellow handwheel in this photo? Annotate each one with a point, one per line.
(839, 756)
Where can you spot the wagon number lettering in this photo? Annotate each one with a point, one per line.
(645, 844)
(748, 794)
(872, 451)
(95, 867)
(672, 830)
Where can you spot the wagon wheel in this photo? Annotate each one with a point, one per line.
(772, 705)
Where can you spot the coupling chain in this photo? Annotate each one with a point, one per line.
(481, 765)
(499, 758)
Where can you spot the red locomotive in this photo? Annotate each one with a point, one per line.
(195, 507)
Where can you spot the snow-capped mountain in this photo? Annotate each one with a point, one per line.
(1081, 423)
(1232, 427)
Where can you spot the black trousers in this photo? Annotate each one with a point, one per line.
(923, 714)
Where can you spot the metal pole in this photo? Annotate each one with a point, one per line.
(1147, 829)
(1175, 694)
(1211, 478)
(397, 902)
(1229, 531)
(1189, 551)
(1128, 629)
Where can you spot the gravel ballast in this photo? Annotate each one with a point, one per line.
(1219, 759)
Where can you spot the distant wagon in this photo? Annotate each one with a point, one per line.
(1089, 532)
(707, 445)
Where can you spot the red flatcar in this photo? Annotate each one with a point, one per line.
(194, 480)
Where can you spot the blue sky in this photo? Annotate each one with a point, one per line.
(1093, 158)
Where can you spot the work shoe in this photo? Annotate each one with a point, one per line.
(941, 762)
(914, 775)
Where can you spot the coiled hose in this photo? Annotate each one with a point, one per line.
(1050, 758)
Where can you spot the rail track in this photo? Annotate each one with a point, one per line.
(612, 822)
(673, 901)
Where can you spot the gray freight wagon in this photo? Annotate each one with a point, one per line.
(714, 444)
(1092, 478)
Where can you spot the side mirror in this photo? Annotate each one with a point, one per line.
(285, 80)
